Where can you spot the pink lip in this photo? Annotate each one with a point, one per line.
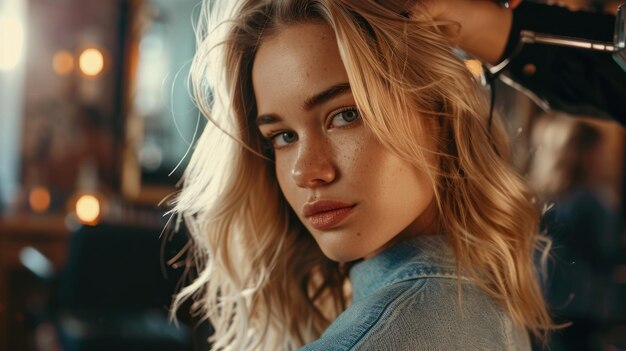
(326, 214)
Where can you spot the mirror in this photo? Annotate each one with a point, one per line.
(161, 117)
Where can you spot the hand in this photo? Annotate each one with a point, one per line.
(452, 9)
(485, 24)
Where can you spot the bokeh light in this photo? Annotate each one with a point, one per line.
(88, 209)
(39, 199)
(63, 62)
(11, 42)
(91, 62)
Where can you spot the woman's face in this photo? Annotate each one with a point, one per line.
(353, 195)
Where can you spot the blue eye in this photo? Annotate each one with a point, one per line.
(344, 117)
(283, 139)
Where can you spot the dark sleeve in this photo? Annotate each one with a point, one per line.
(571, 80)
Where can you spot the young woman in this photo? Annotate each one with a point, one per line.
(350, 193)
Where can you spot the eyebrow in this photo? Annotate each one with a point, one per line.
(313, 101)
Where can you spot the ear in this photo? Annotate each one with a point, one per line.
(515, 3)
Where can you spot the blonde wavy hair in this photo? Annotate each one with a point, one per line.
(262, 280)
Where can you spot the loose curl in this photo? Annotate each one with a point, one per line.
(263, 282)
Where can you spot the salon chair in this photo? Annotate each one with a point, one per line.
(112, 293)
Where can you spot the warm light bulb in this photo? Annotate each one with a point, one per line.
(91, 62)
(63, 62)
(39, 199)
(11, 42)
(88, 208)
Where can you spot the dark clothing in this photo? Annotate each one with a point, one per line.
(586, 254)
(572, 80)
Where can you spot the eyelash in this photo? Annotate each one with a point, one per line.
(270, 138)
(346, 109)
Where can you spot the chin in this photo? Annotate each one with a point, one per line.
(345, 245)
(342, 253)
(340, 258)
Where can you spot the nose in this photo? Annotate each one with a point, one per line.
(313, 167)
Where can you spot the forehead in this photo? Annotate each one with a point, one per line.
(295, 62)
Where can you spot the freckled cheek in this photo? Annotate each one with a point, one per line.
(352, 155)
(356, 159)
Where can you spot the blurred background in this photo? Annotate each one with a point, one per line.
(95, 124)
(95, 117)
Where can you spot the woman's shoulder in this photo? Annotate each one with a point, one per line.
(432, 315)
(424, 313)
